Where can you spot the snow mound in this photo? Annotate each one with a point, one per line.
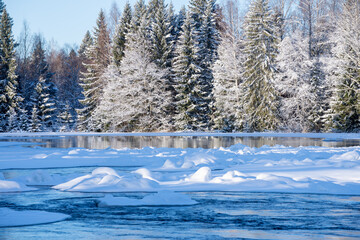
(168, 165)
(162, 198)
(12, 218)
(13, 186)
(201, 175)
(106, 179)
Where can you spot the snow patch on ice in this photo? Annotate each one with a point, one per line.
(13, 186)
(12, 218)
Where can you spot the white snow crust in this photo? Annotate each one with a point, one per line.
(237, 168)
(12, 218)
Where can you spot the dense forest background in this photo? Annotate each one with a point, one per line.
(281, 65)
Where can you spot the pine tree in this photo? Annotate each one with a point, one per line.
(260, 99)
(10, 98)
(120, 36)
(346, 107)
(96, 61)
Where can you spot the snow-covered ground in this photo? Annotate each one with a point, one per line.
(238, 168)
(164, 172)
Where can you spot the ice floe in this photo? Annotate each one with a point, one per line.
(12, 218)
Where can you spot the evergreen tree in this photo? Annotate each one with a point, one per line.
(10, 99)
(293, 82)
(198, 43)
(186, 72)
(120, 36)
(160, 37)
(2, 6)
(44, 100)
(85, 44)
(96, 61)
(34, 121)
(227, 95)
(66, 119)
(140, 12)
(260, 99)
(136, 99)
(346, 107)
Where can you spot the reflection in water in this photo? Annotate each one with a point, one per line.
(118, 142)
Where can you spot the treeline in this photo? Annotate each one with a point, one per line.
(285, 65)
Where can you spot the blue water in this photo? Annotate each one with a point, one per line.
(219, 215)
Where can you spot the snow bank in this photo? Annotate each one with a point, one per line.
(162, 198)
(237, 168)
(13, 186)
(12, 218)
(106, 179)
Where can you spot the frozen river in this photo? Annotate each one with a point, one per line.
(270, 206)
(219, 215)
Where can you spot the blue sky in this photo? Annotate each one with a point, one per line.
(64, 21)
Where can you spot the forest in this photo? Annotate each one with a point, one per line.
(274, 65)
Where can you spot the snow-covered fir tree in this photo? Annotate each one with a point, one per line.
(10, 98)
(85, 44)
(96, 61)
(136, 99)
(120, 36)
(66, 119)
(186, 72)
(346, 107)
(44, 100)
(160, 37)
(227, 79)
(261, 98)
(293, 82)
(196, 52)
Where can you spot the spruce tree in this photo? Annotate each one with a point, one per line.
(120, 35)
(199, 40)
(10, 98)
(186, 72)
(346, 107)
(97, 59)
(86, 43)
(44, 100)
(260, 99)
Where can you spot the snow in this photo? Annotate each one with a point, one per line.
(13, 186)
(12, 218)
(162, 198)
(237, 168)
(105, 179)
